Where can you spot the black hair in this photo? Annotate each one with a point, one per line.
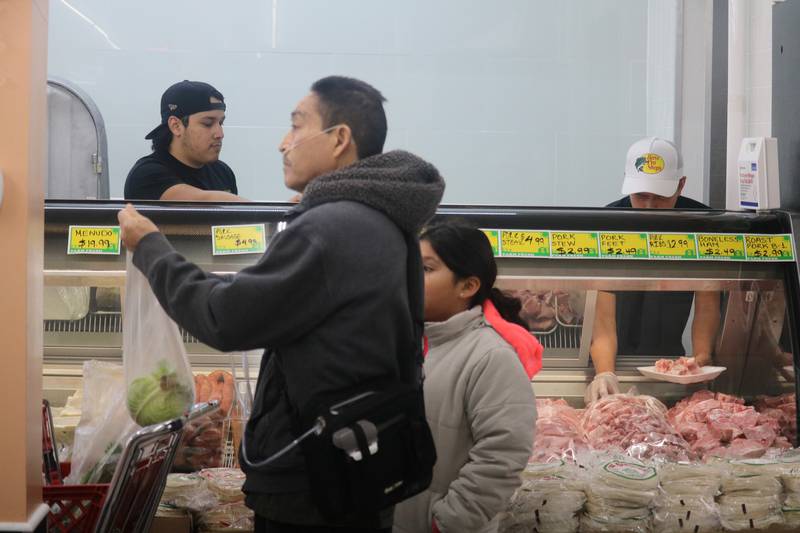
(355, 103)
(466, 251)
(163, 138)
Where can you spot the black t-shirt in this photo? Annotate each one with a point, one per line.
(682, 203)
(155, 173)
(648, 322)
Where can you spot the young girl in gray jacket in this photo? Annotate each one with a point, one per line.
(478, 396)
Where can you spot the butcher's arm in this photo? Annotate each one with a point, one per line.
(604, 336)
(187, 193)
(705, 325)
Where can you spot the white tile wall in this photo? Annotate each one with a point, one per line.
(516, 101)
(758, 92)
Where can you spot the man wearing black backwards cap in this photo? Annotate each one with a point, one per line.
(185, 163)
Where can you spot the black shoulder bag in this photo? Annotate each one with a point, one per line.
(370, 447)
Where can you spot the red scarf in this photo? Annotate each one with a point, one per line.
(528, 348)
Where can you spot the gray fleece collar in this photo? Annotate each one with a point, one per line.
(401, 185)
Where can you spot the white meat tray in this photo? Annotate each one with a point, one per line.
(707, 373)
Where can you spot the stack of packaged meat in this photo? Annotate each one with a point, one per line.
(558, 432)
(634, 425)
(686, 498)
(752, 495)
(619, 495)
(549, 500)
(719, 425)
(231, 512)
(783, 409)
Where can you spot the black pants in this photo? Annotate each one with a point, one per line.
(264, 525)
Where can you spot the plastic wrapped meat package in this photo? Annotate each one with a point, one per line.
(686, 498)
(558, 432)
(619, 495)
(542, 311)
(188, 491)
(214, 495)
(635, 425)
(720, 425)
(549, 500)
(225, 483)
(752, 495)
(227, 517)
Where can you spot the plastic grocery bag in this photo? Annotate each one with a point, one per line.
(159, 379)
(104, 426)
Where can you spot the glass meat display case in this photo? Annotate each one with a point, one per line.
(559, 262)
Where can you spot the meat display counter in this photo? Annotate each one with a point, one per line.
(556, 260)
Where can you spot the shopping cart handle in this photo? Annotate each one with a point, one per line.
(202, 409)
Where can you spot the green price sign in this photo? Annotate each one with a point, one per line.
(93, 240)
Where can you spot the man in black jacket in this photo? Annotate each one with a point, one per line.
(329, 298)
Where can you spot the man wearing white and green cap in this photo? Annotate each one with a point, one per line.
(650, 323)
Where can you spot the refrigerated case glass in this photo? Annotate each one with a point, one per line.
(755, 341)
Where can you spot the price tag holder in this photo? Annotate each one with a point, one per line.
(720, 247)
(238, 239)
(672, 246)
(623, 245)
(93, 240)
(769, 247)
(574, 244)
(515, 243)
(494, 239)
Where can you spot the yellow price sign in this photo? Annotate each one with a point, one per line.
(494, 239)
(524, 243)
(720, 246)
(238, 239)
(623, 245)
(769, 247)
(93, 240)
(672, 246)
(573, 244)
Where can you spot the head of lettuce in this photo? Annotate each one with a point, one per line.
(159, 396)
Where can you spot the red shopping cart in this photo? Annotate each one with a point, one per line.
(128, 503)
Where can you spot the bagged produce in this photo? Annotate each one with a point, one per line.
(104, 426)
(159, 380)
(203, 443)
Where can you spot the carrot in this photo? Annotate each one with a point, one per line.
(222, 389)
(202, 388)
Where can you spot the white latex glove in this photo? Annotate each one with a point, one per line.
(603, 384)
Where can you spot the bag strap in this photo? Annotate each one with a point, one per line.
(410, 364)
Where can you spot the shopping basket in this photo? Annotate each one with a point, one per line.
(128, 503)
